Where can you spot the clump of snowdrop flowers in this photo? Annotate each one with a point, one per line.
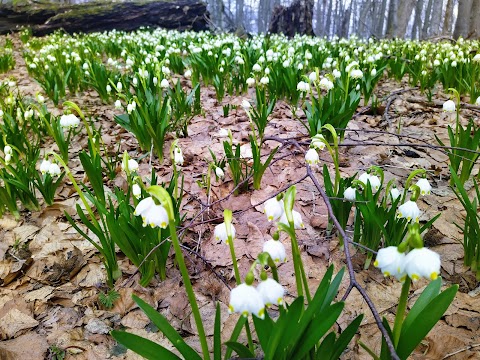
(303, 86)
(151, 213)
(356, 74)
(311, 157)
(409, 210)
(276, 250)
(372, 179)
(325, 84)
(69, 121)
(424, 186)
(449, 106)
(46, 167)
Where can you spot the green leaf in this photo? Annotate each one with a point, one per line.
(240, 349)
(345, 337)
(412, 335)
(144, 347)
(235, 333)
(217, 341)
(326, 348)
(164, 326)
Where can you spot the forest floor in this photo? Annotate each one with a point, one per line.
(52, 277)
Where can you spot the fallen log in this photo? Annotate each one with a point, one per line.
(45, 18)
(293, 19)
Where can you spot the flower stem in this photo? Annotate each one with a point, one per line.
(189, 289)
(402, 305)
(238, 280)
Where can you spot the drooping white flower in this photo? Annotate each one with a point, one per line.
(394, 193)
(245, 299)
(264, 80)
(136, 190)
(303, 86)
(275, 249)
(164, 84)
(119, 86)
(374, 182)
(256, 68)
(326, 84)
(318, 142)
(364, 178)
(246, 105)
(220, 232)
(311, 157)
(449, 106)
(297, 219)
(350, 194)
(356, 74)
(45, 166)
(188, 73)
(477, 102)
(178, 156)
(409, 210)
(336, 73)
(424, 186)
(7, 150)
(313, 76)
(219, 172)
(108, 88)
(273, 209)
(151, 213)
(250, 82)
(132, 165)
(69, 121)
(118, 104)
(271, 291)
(54, 170)
(422, 262)
(391, 262)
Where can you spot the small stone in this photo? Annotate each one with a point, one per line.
(96, 326)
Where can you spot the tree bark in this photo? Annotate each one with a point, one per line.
(404, 13)
(448, 19)
(381, 19)
(462, 25)
(48, 17)
(436, 18)
(417, 23)
(391, 19)
(427, 20)
(294, 19)
(474, 28)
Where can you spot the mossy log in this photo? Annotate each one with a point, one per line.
(45, 18)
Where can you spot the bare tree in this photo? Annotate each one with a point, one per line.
(448, 19)
(463, 19)
(404, 13)
(380, 16)
(436, 23)
(417, 23)
(392, 18)
(474, 28)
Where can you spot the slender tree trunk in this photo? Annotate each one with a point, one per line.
(436, 18)
(362, 27)
(417, 23)
(462, 25)
(474, 29)
(448, 19)
(381, 19)
(239, 13)
(392, 18)
(404, 13)
(329, 17)
(427, 20)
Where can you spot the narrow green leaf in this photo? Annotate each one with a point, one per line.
(217, 341)
(144, 347)
(240, 349)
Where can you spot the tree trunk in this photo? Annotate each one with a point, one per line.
(404, 12)
(417, 23)
(362, 28)
(427, 20)
(89, 17)
(328, 23)
(391, 19)
(436, 18)
(448, 20)
(474, 28)
(294, 19)
(239, 13)
(462, 25)
(381, 19)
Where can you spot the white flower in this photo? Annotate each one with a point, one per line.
(373, 72)
(374, 182)
(311, 157)
(391, 262)
(7, 150)
(8, 158)
(220, 232)
(219, 172)
(246, 105)
(477, 102)
(256, 68)
(422, 262)
(356, 74)
(264, 80)
(151, 213)
(245, 299)
(424, 186)
(155, 80)
(364, 178)
(45, 166)
(350, 194)
(409, 210)
(394, 193)
(108, 88)
(271, 291)
(336, 73)
(132, 165)
(136, 190)
(326, 84)
(313, 76)
(119, 86)
(40, 99)
(276, 250)
(135, 81)
(118, 104)
(178, 156)
(68, 121)
(449, 106)
(318, 142)
(54, 169)
(273, 209)
(303, 86)
(250, 82)
(476, 58)
(188, 73)
(164, 84)
(297, 220)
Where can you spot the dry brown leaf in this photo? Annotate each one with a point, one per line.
(15, 323)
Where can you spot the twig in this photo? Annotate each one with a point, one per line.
(469, 347)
